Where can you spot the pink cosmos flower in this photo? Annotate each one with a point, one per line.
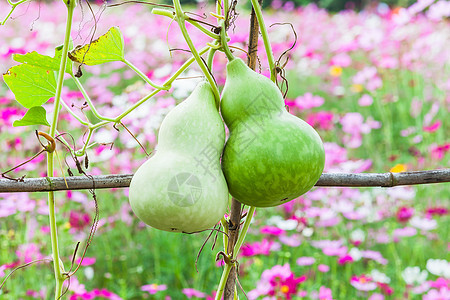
(325, 293)
(272, 230)
(365, 100)
(188, 292)
(363, 283)
(440, 283)
(404, 232)
(376, 296)
(439, 151)
(87, 261)
(342, 60)
(331, 251)
(323, 268)
(29, 252)
(441, 294)
(305, 261)
(308, 101)
(374, 255)
(153, 288)
(293, 240)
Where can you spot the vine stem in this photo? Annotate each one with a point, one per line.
(265, 37)
(57, 264)
(13, 7)
(181, 18)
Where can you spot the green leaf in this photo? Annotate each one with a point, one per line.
(44, 61)
(31, 85)
(107, 48)
(34, 116)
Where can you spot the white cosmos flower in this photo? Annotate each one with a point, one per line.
(358, 235)
(355, 253)
(439, 267)
(413, 275)
(423, 223)
(379, 276)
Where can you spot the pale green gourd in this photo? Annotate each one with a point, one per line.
(182, 188)
(271, 156)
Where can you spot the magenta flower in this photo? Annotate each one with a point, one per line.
(385, 288)
(79, 220)
(433, 127)
(259, 248)
(153, 288)
(404, 213)
(278, 282)
(345, 259)
(103, 293)
(436, 211)
(322, 120)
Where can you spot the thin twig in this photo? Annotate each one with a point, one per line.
(326, 180)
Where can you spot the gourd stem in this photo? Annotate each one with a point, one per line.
(244, 230)
(167, 83)
(237, 247)
(223, 39)
(265, 37)
(57, 264)
(181, 23)
(210, 58)
(223, 281)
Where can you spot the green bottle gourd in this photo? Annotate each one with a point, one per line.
(271, 156)
(182, 188)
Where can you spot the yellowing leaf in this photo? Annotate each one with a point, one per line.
(107, 48)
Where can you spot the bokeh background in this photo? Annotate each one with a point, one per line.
(371, 77)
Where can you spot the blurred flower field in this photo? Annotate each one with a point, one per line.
(374, 84)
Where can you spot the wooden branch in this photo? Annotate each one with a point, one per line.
(326, 180)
